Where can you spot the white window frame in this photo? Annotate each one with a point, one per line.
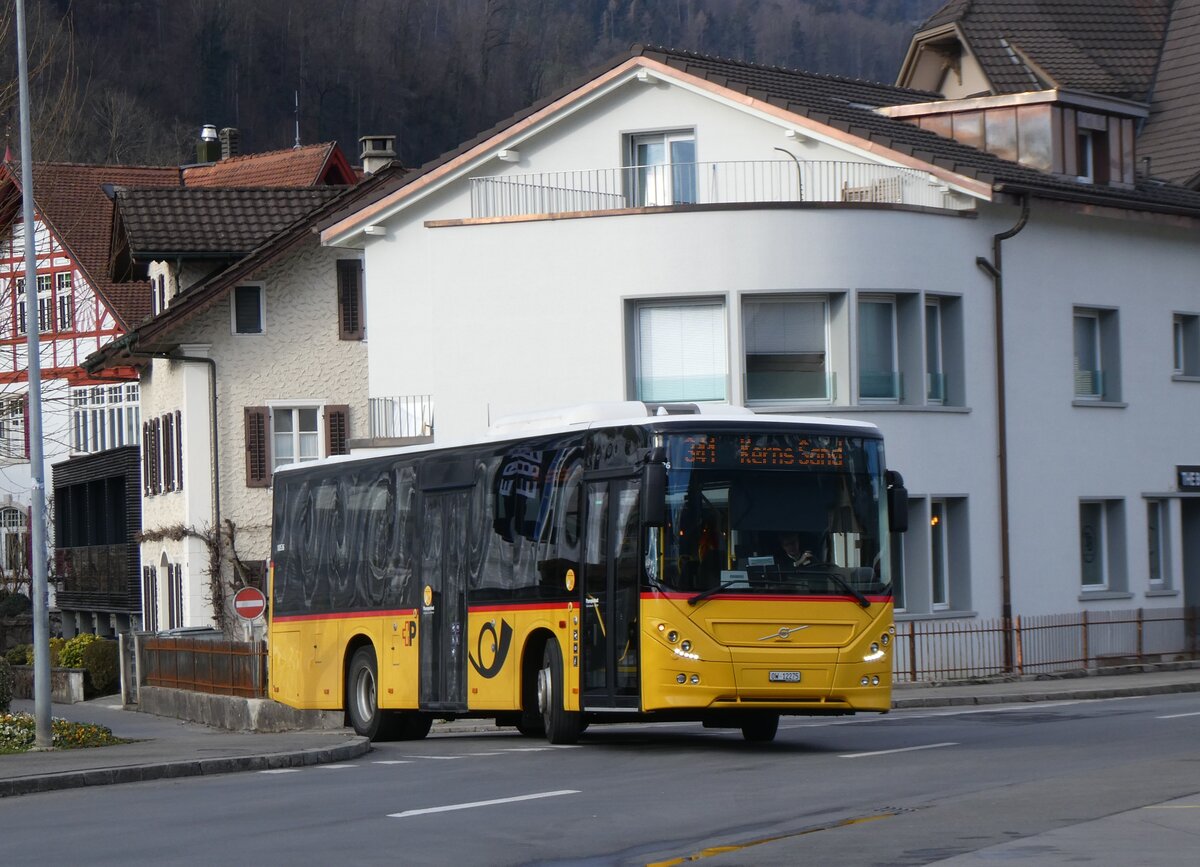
(639, 191)
(262, 310)
(939, 554)
(21, 324)
(1185, 344)
(829, 386)
(293, 407)
(64, 294)
(721, 352)
(1096, 546)
(1085, 152)
(1158, 539)
(105, 417)
(934, 351)
(890, 301)
(1097, 388)
(13, 447)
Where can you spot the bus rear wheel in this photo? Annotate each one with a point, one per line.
(362, 696)
(562, 725)
(760, 728)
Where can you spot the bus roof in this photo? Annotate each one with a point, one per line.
(588, 416)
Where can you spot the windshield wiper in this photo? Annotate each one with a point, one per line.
(711, 591)
(850, 588)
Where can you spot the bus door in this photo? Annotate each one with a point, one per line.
(443, 601)
(610, 588)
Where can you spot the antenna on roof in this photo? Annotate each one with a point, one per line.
(297, 93)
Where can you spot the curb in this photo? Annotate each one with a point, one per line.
(352, 749)
(1079, 694)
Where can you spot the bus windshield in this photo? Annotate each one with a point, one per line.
(788, 513)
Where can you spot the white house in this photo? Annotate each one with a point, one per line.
(1024, 328)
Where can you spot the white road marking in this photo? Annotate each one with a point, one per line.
(281, 771)
(391, 762)
(901, 750)
(1178, 715)
(527, 749)
(473, 804)
(483, 754)
(335, 766)
(435, 758)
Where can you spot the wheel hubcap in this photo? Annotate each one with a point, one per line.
(544, 691)
(365, 693)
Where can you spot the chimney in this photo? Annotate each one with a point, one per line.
(377, 152)
(207, 149)
(231, 142)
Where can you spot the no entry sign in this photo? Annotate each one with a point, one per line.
(249, 603)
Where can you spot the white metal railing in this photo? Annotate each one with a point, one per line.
(713, 183)
(409, 415)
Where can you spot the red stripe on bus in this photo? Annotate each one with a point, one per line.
(345, 615)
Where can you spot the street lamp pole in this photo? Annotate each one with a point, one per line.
(43, 737)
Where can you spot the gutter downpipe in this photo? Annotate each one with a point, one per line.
(995, 269)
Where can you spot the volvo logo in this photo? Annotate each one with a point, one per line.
(784, 633)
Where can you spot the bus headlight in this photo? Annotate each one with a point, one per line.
(685, 646)
(885, 639)
(681, 678)
(874, 655)
(672, 636)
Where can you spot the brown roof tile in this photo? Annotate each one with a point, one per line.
(1109, 47)
(1171, 135)
(294, 167)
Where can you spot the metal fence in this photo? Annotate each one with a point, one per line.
(409, 415)
(205, 664)
(710, 183)
(940, 650)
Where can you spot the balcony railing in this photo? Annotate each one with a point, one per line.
(403, 416)
(712, 183)
(96, 569)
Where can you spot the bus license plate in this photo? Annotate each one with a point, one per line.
(784, 677)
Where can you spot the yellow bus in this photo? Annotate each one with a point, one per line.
(607, 563)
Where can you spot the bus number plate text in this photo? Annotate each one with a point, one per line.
(784, 677)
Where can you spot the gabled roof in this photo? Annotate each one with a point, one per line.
(71, 199)
(306, 166)
(842, 108)
(170, 222)
(156, 334)
(1108, 47)
(1171, 138)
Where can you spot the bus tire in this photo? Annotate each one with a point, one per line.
(761, 727)
(362, 697)
(562, 725)
(410, 725)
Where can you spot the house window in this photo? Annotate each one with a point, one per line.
(1157, 517)
(14, 531)
(159, 286)
(149, 599)
(1091, 156)
(248, 310)
(21, 306)
(938, 568)
(14, 438)
(104, 417)
(1102, 545)
(935, 378)
(662, 169)
(1097, 369)
(1185, 341)
(786, 349)
(350, 299)
(679, 351)
(65, 297)
(284, 435)
(45, 302)
(295, 435)
(174, 595)
(878, 375)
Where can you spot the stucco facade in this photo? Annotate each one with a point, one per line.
(297, 360)
(503, 315)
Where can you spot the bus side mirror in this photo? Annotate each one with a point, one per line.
(654, 494)
(897, 502)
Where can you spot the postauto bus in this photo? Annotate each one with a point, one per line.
(607, 563)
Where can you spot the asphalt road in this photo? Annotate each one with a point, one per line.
(912, 787)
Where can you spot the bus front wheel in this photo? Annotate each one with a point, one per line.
(562, 725)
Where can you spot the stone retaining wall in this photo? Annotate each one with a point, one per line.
(66, 684)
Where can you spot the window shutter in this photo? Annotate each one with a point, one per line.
(337, 430)
(168, 452)
(350, 300)
(155, 457)
(258, 447)
(145, 458)
(178, 451)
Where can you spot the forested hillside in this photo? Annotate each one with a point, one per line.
(132, 80)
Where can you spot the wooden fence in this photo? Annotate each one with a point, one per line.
(205, 664)
(942, 650)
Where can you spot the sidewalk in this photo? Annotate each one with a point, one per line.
(166, 747)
